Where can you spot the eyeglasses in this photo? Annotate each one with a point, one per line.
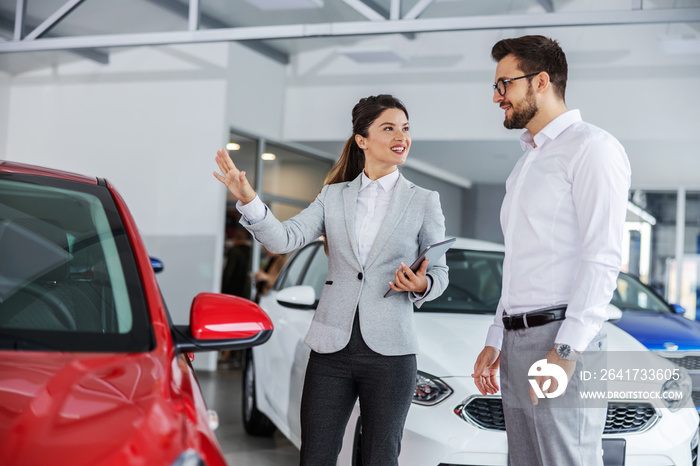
(500, 85)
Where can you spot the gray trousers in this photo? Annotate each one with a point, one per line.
(333, 382)
(565, 430)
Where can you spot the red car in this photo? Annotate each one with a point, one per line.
(92, 370)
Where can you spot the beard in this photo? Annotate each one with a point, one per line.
(523, 112)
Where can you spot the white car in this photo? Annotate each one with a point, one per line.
(450, 423)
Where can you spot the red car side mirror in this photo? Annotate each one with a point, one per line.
(223, 322)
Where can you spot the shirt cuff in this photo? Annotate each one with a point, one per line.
(576, 335)
(254, 211)
(415, 297)
(494, 337)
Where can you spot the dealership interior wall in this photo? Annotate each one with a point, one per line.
(151, 120)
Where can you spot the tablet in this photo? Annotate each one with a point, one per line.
(432, 253)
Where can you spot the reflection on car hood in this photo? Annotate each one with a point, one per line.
(450, 343)
(103, 409)
(655, 330)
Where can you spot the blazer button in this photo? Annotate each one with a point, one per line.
(359, 276)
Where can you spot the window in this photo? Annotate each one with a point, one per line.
(295, 269)
(632, 295)
(316, 274)
(68, 278)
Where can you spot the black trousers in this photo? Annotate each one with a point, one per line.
(385, 387)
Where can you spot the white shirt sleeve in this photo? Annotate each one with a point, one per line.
(601, 180)
(494, 337)
(254, 211)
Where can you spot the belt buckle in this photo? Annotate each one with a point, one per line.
(509, 319)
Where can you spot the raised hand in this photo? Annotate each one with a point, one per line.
(233, 178)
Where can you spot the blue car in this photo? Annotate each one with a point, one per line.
(659, 326)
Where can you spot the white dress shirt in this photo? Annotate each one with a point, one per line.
(562, 218)
(373, 200)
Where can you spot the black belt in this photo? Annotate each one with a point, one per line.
(534, 318)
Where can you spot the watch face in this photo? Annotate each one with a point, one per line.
(564, 351)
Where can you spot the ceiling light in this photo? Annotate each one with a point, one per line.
(268, 156)
(233, 146)
(286, 4)
(680, 45)
(374, 55)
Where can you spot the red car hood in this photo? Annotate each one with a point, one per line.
(86, 409)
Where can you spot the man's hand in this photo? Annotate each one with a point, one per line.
(486, 370)
(569, 367)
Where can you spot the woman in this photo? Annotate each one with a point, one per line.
(363, 345)
(268, 273)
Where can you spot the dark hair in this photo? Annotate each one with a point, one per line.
(536, 54)
(352, 160)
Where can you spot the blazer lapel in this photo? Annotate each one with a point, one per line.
(349, 207)
(399, 201)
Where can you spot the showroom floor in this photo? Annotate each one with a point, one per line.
(222, 392)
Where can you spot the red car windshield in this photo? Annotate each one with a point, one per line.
(68, 278)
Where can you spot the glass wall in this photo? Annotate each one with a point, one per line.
(668, 239)
(244, 153)
(292, 180)
(287, 178)
(683, 269)
(691, 258)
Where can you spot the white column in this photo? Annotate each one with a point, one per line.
(680, 242)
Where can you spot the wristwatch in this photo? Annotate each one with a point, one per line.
(565, 351)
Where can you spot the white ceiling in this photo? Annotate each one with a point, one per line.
(103, 17)
(594, 52)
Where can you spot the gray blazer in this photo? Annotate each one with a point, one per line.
(414, 220)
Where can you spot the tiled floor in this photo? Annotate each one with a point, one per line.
(222, 392)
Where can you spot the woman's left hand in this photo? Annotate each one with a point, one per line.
(406, 280)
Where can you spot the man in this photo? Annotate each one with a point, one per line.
(562, 220)
(235, 278)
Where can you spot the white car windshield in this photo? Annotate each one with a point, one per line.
(475, 283)
(476, 280)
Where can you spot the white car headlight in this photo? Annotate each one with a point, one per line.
(677, 393)
(430, 390)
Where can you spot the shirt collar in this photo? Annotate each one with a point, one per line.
(387, 182)
(551, 131)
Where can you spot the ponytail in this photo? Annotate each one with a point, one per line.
(349, 165)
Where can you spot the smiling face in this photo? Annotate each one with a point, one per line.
(518, 103)
(387, 143)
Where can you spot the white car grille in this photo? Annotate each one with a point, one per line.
(622, 417)
(691, 363)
